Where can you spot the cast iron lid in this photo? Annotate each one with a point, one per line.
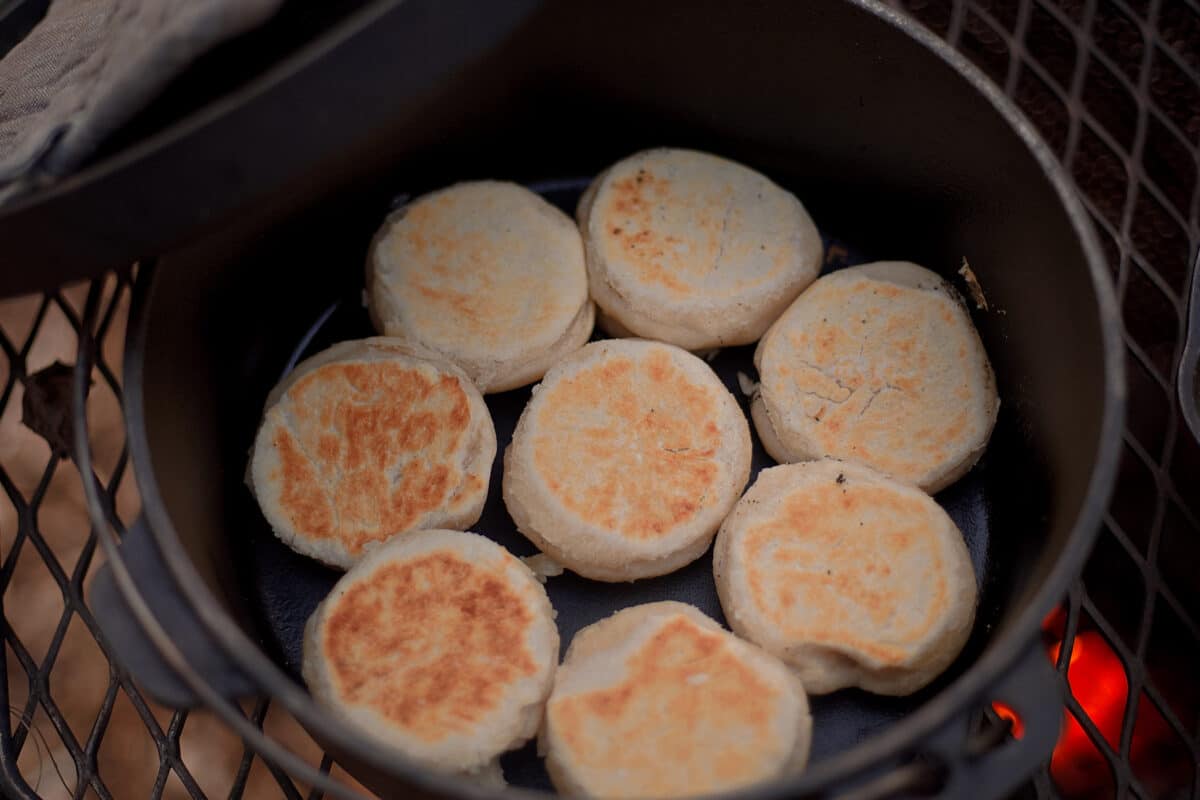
(220, 140)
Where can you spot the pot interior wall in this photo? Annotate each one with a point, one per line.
(890, 149)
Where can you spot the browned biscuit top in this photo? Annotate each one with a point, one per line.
(479, 268)
(367, 448)
(688, 715)
(629, 443)
(431, 643)
(851, 565)
(883, 374)
(692, 225)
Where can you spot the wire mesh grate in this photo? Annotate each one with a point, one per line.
(46, 750)
(1114, 88)
(79, 748)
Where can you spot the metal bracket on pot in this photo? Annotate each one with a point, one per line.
(1034, 691)
(136, 653)
(951, 762)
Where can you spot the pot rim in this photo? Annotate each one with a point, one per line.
(998, 657)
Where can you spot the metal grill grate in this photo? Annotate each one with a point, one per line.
(47, 750)
(1113, 86)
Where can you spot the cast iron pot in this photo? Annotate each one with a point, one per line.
(897, 146)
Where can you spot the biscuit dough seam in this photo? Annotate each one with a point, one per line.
(724, 234)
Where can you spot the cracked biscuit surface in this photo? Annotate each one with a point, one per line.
(877, 364)
(367, 440)
(693, 249)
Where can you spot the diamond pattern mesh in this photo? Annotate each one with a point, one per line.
(76, 727)
(1112, 85)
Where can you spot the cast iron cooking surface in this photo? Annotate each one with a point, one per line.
(285, 587)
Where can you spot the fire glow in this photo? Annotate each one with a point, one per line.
(1099, 684)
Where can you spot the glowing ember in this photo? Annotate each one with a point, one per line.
(1098, 683)
(1005, 711)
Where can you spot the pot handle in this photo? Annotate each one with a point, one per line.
(133, 648)
(1189, 364)
(954, 761)
(1033, 690)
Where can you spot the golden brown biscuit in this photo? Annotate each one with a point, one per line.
(441, 645)
(625, 461)
(659, 701)
(877, 364)
(487, 274)
(367, 440)
(693, 249)
(849, 576)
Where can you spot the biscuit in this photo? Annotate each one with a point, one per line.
(366, 440)
(692, 249)
(877, 364)
(626, 459)
(659, 701)
(440, 645)
(852, 578)
(487, 274)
